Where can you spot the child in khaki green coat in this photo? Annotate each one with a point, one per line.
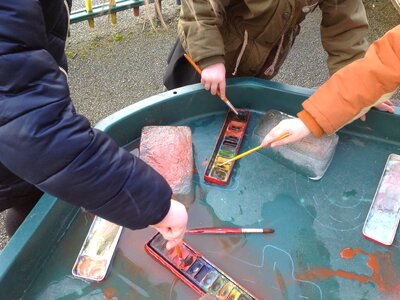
(229, 38)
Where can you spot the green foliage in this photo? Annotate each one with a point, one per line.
(118, 37)
(70, 54)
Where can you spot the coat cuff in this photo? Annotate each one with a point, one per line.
(211, 61)
(311, 124)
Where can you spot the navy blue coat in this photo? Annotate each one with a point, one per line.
(44, 141)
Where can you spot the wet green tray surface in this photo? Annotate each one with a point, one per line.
(317, 251)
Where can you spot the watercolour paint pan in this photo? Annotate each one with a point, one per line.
(384, 214)
(227, 146)
(196, 271)
(97, 251)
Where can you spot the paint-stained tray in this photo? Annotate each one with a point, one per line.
(97, 251)
(384, 215)
(226, 147)
(196, 271)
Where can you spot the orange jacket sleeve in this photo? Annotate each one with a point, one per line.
(354, 89)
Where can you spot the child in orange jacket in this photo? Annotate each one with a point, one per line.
(348, 94)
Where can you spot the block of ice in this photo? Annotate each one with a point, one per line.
(310, 156)
(168, 149)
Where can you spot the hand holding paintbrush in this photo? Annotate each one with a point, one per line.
(197, 68)
(252, 150)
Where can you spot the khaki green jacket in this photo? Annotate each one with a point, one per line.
(253, 37)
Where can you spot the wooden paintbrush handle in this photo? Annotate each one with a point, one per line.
(228, 230)
(191, 61)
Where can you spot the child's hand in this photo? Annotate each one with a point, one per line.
(385, 106)
(294, 127)
(213, 78)
(173, 226)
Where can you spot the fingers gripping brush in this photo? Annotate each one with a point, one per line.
(197, 68)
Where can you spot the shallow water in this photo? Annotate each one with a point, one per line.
(317, 225)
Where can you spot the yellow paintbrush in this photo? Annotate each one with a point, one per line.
(252, 150)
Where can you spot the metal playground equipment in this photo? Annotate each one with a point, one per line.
(111, 7)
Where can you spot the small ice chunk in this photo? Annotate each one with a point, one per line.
(310, 156)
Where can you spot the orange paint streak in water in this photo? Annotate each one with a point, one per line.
(383, 273)
(281, 283)
(348, 253)
(326, 273)
(110, 293)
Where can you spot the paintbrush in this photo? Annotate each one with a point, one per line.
(197, 68)
(252, 150)
(178, 251)
(228, 230)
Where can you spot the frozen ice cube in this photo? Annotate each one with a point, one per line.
(311, 156)
(168, 149)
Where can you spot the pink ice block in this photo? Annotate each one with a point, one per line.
(168, 149)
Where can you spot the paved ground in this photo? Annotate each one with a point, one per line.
(112, 67)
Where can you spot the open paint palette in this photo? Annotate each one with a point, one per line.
(97, 251)
(227, 146)
(384, 214)
(196, 271)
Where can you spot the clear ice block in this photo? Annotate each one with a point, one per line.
(311, 156)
